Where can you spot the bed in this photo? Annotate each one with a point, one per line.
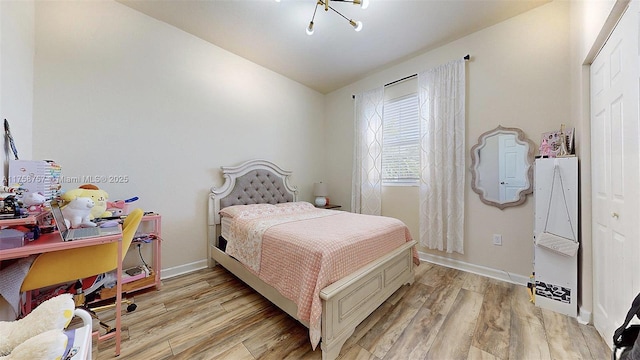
(342, 298)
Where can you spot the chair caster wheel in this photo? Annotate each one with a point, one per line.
(131, 307)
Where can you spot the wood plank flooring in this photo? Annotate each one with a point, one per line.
(445, 314)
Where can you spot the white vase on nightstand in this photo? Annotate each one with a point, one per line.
(320, 191)
(321, 201)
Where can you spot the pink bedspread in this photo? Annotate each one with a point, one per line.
(302, 257)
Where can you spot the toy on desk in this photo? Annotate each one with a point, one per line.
(120, 207)
(109, 223)
(78, 212)
(11, 190)
(98, 196)
(39, 335)
(9, 207)
(11, 199)
(116, 208)
(33, 202)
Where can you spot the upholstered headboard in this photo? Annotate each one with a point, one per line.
(254, 182)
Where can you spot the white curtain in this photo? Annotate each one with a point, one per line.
(442, 121)
(366, 189)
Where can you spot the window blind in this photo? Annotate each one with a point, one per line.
(401, 141)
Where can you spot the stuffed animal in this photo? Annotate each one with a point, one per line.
(50, 345)
(38, 335)
(116, 208)
(120, 207)
(98, 196)
(33, 201)
(78, 212)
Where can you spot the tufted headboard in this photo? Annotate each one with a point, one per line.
(254, 182)
(257, 187)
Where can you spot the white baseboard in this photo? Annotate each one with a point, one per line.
(475, 269)
(584, 316)
(183, 269)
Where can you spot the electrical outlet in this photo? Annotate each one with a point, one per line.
(497, 239)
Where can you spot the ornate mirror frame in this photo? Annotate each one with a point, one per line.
(528, 166)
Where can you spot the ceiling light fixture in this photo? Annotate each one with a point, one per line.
(357, 25)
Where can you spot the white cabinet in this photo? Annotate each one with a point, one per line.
(556, 184)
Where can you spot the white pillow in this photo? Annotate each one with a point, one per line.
(295, 206)
(251, 209)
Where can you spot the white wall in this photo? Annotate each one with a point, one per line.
(119, 93)
(518, 76)
(16, 75)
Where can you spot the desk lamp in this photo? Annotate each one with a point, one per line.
(321, 192)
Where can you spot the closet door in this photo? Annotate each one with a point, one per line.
(615, 174)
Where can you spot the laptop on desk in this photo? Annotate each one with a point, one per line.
(79, 233)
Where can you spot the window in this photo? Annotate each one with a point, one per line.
(401, 141)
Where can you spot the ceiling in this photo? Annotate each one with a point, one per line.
(272, 34)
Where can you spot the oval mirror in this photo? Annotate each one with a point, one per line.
(502, 167)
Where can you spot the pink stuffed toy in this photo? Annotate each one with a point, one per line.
(117, 208)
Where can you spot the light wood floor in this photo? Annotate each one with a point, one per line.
(445, 314)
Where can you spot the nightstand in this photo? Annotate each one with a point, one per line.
(330, 206)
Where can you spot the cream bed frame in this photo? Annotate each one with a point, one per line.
(348, 301)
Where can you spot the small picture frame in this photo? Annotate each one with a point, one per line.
(570, 141)
(553, 139)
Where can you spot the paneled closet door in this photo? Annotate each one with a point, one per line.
(615, 175)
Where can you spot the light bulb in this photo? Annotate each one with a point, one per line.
(363, 4)
(310, 28)
(357, 26)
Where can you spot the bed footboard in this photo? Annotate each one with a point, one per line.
(347, 302)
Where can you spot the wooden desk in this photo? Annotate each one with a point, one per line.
(53, 242)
